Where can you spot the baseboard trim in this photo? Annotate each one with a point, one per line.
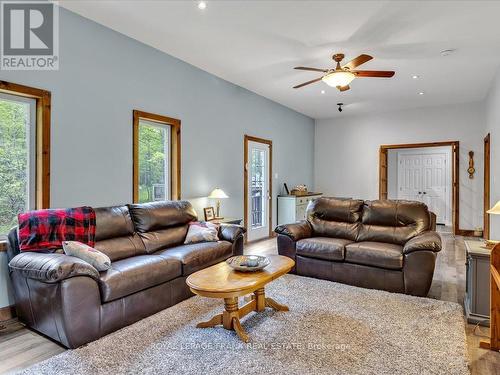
(259, 240)
(7, 313)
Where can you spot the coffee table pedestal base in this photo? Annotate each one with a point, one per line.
(230, 318)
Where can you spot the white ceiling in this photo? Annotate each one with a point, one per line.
(256, 44)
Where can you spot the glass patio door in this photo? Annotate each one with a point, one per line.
(258, 190)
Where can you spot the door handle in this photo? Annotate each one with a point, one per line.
(420, 192)
(425, 192)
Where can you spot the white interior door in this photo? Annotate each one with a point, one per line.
(409, 177)
(258, 191)
(425, 177)
(435, 185)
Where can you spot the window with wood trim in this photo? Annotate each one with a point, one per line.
(157, 150)
(24, 151)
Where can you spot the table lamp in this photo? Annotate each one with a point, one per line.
(495, 210)
(218, 194)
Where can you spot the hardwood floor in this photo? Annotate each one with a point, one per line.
(20, 347)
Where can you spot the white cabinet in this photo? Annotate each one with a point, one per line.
(292, 208)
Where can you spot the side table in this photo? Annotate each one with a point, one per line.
(477, 287)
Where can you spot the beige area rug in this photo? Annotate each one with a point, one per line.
(331, 328)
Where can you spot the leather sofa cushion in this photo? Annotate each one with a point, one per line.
(199, 255)
(154, 216)
(121, 247)
(113, 222)
(162, 224)
(322, 248)
(393, 221)
(115, 235)
(163, 238)
(128, 276)
(332, 217)
(375, 254)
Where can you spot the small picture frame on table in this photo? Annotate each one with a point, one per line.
(209, 213)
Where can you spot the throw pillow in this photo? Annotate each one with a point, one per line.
(202, 231)
(99, 260)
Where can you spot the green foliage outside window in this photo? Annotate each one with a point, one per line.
(14, 118)
(152, 159)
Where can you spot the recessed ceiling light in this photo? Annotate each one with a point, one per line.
(202, 5)
(415, 76)
(421, 93)
(447, 52)
(323, 91)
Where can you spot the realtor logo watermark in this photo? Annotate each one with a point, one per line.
(30, 35)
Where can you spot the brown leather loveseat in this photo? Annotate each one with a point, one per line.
(382, 244)
(68, 300)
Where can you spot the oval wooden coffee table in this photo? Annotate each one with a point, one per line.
(221, 281)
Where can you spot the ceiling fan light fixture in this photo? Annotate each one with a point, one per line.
(338, 78)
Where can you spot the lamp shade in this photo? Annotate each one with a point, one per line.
(338, 78)
(495, 210)
(217, 194)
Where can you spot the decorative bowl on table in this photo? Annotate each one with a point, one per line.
(248, 263)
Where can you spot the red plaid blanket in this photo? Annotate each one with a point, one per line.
(46, 229)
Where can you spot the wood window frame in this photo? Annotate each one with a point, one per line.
(246, 139)
(175, 151)
(42, 157)
(455, 149)
(487, 195)
(42, 153)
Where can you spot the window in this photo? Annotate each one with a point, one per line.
(156, 157)
(24, 151)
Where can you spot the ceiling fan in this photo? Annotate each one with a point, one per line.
(342, 76)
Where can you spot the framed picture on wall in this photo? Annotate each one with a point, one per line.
(209, 213)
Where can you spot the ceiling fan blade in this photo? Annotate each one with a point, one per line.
(307, 83)
(361, 59)
(311, 69)
(343, 88)
(374, 73)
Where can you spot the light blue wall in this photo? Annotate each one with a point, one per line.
(6, 297)
(493, 127)
(104, 75)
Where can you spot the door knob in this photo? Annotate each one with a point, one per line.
(425, 192)
(420, 192)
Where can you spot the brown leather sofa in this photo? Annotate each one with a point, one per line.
(388, 245)
(68, 300)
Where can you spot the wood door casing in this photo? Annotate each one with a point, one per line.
(383, 159)
(455, 145)
(487, 198)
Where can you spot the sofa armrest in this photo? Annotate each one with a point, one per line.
(51, 268)
(433, 219)
(425, 241)
(231, 232)
(295, 231)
